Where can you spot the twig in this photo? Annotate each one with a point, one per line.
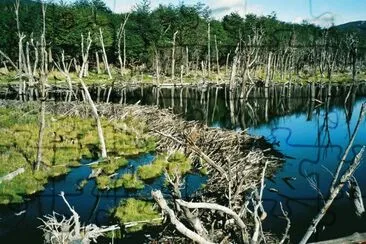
(361, 116)
(332, 196)
(174, 220)
(288, 226)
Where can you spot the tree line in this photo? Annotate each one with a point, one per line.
(198, 41)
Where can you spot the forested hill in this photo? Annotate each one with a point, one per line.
(149, 30)
(356, 26)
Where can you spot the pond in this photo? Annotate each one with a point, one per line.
(93, 205)
(302, 122)
(312, 132)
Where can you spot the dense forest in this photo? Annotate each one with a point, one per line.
(144, 38)
(76, 84)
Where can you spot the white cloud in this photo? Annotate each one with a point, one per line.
(119, 6)
(220, 8)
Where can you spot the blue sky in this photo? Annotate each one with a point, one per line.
(322, 12)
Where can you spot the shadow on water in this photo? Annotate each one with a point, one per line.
(302, 121)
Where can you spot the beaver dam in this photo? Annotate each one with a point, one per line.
(226, 167)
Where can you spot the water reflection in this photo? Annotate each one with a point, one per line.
(311, 124)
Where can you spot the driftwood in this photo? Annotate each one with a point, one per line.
(346, 176)
(70, 230)
(12, 175)
(174, 220)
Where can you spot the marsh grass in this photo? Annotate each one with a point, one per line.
(132, 210)
(174, 163)
(129, 182)
(67, 140)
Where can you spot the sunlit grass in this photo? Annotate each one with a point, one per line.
(132, 210)
(66, 141)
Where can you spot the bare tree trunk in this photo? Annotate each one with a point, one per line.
(157, 64)
(187, 60)
(181, 73)
(21, 37)
(334, 192)
(227, 64)
(217, 57)
(121, 33)
(98, 62)
(29, 68)
(268, 75)
(42, 82)
(173, 56)
(124, 50)
(209, 49)
(90, 100)
(104, 54)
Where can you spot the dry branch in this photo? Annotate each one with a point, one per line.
(174, 220)
(69, 230)
(346, 176)
(11, 175)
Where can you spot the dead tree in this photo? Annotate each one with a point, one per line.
(65, 70)
(333, 194)
(173, 56)
(120, 34)
(90, 100)
(70, 230)
(209, 49)
(268, 75)
(21, 37)
(217, 57)
(42, 88)
(104, 54)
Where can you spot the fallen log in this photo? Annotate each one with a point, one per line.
(174, 220)
(12, 175)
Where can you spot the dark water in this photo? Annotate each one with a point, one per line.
(312, 131)
(302, 122)
(92, 205)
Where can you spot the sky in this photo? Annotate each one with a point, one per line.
(321, 12)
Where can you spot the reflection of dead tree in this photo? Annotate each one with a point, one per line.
(333, 194)
(337, 185)
(340, 165)
(70, 230)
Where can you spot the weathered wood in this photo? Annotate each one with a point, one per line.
(347, 175)
(12, 175)
(158, 197)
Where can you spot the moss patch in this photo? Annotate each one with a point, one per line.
(132, 210)
(129, 182)
(174, 163)
(66, 141)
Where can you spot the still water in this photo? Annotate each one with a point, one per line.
(311, 130)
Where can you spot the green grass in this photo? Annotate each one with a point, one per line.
(153, 170)
(66, 141)
(178, 163)
(129, 182)
(103, 182)
(132, 210)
